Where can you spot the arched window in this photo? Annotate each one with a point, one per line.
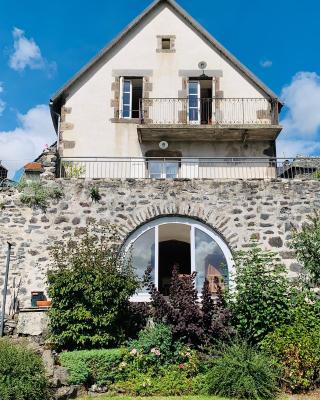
(188, 243)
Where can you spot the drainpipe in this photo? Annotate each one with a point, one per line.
(5, 289)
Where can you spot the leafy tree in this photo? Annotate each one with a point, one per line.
(296, 346)
(261, 301)
(191, 322)
(90, 287)
(306, 243)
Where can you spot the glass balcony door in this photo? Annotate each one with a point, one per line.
(194, 102)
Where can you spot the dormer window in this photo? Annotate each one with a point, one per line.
(166, 44)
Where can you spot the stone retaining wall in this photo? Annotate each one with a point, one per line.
(239, 211)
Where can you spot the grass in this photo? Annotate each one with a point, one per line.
(106, 397)
(158, 398)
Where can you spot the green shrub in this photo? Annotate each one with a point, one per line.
(297, 350)
(36, 194)
(154, 347)
(73, 170)
(86, 367)
(90, 287)
(168, 381)
(306, 243)
(244, 373)
(95, 194)
(261, 302)
(22, 374)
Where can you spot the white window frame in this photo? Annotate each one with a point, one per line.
(163, 173)
(194, 122)
(194, 224)
(122, 82)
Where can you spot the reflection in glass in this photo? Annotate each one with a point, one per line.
(155, 169)
(159, 169)
(126, 86)
(210, 262)
(142, 255)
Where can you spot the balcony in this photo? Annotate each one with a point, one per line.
(226, 168)
(206, 119)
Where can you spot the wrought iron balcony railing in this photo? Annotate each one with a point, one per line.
(213, 111)
(216, 168)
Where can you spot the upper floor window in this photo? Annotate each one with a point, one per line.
(131, 93)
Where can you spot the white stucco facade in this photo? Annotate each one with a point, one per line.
(89, 127)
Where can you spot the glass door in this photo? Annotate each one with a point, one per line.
(194, 102)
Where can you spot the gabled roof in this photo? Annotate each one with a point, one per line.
(189, 20)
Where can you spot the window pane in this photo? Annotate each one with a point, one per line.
(126, 98)
(172, 169)
(166, 44)
(126, 86)
(193, 114)
(193, 101)
(155, 169)
(126, 111)
(142, 254)
(211, 263)
(193, 87)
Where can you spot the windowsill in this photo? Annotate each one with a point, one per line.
(125, 120)
(166, 50)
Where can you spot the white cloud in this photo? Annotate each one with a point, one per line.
(2, 102)
(301, 124)
(266, 63)
(291, 148)
(302, 97)
(26, 141)
(27, 53)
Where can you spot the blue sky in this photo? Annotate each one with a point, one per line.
(43, 44)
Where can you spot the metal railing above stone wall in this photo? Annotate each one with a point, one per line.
(216, 168)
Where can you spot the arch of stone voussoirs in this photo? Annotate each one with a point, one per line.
(207, 215)
(195, 222)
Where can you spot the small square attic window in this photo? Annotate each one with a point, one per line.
(165, 43)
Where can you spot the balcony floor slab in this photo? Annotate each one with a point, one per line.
(157, 132)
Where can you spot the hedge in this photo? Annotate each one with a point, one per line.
(86, 367)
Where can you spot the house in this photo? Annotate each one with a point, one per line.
(166, 100)
(32, 171)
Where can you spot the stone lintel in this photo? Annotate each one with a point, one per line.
(132, 72)
(211, 73)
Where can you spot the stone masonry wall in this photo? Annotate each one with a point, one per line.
(240, 211)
